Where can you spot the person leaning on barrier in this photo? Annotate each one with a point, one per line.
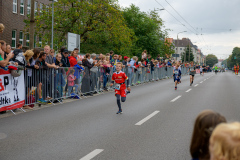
(4, 62)
(49, 58)
(205, 123)
(65, 60)
(86, 81)
(17, 51)
(41, 75)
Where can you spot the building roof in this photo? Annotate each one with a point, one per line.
(184, 42)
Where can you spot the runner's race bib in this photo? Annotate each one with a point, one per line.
(117, 86)
(176, 72)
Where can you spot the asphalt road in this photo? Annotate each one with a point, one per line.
(156, 123)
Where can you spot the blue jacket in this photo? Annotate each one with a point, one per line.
(78, 70)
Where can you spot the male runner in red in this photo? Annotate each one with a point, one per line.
(120, 88)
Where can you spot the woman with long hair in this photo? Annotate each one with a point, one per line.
(205, 123)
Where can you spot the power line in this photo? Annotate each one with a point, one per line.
(181, 16)
(170, 13)
(185, 21)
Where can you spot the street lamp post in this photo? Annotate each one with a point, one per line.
(52, 19)
(177, 44)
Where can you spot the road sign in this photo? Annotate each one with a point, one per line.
(73, 41)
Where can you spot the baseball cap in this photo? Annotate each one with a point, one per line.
(79, 62)
(125, 57)
(65, 50)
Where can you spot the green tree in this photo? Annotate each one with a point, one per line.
(99, 22)
(186, 51)
(211, 60)
(147, 28)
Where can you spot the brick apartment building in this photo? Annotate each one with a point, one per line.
(12, 15)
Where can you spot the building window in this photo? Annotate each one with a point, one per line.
(22, 7)
(14, 6)
(28, 7)
(41, 7)
(35, 7)
(13, 38)
(21, 37)
(180, 48)
(27, 39)
(40, 41)
(35, 41)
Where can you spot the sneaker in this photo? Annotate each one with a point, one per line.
(128, 92)
(119, 112)
(175, 88)
(42, 101)
(190, 84)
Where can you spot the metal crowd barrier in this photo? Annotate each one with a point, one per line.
(53, 85)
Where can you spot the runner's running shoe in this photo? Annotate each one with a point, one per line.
(119, 112)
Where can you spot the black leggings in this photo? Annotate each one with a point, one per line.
(123, 99)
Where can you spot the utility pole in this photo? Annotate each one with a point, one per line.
(189, 49)
(31, 31)
(52, 21)
(185, 56)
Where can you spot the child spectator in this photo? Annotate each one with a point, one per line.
(225, 142)
(205, 123)
(71, 83)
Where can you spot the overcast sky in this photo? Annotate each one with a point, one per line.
(217, 22)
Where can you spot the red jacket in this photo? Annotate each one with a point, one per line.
(72, 61)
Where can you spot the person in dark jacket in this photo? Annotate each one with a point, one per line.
(65, 60)
(86, 81)
(17, 51)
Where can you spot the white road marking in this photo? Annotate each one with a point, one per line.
(147, 118)
(175, 99)
(201, 82)
(189, 90)
(92, 154)
(196, 85)
(204, 79)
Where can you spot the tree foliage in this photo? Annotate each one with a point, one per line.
(234, 58)
(103, 26)
(147, 28)
(99, 22)
(211, 60)
(186, 51)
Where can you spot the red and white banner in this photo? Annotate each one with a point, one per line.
(12, 91)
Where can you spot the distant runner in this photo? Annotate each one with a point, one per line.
(192, 73)
(176, 75)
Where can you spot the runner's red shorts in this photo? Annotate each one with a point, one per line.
(121, 92)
